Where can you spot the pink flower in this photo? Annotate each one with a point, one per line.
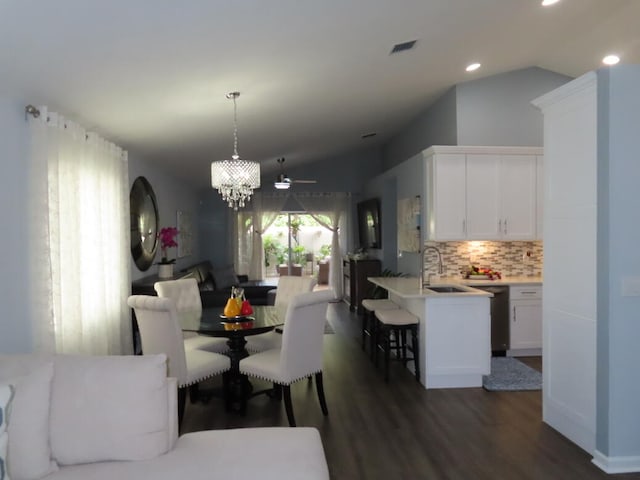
(167, 236)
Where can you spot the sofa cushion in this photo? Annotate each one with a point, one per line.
(224, 277)
(266, 453)
(109, 408)
(29, 450)
(6, 394)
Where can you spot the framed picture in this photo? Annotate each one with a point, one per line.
(409, 224)
(185, 234)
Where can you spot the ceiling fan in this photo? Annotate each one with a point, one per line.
(283, 181)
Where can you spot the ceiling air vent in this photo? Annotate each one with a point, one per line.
(401, 47)
(368, 135)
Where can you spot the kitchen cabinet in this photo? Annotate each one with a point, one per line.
(356, 286)
(525, 320)
(482, 193)
(447, 209)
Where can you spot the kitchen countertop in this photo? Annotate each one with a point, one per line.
(504, 281)
(409, 287)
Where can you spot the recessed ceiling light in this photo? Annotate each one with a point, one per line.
(546, 3)
(611, 59)
(472, 67)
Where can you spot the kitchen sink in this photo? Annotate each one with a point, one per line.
(446, 289)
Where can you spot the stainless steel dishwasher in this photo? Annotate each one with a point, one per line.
(499, 319)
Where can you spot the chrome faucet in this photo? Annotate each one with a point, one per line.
(422, 269)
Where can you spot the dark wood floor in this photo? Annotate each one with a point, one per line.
(400, 430)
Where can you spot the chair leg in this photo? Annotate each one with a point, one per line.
(403, 336)
(320, 389)
(373, 340)
(194, 393)
(182, 399)
(286, 389)
(386, 340)
(377, 340)
(277, 391)
(364, 327)
(416, 352)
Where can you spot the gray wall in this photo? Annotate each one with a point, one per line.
(618, 377)
(15, 329)
(405, 180)
(436, 126)
(497, 110)
(172, 195)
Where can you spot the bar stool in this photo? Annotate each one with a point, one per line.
(397, 321)
(370, 306)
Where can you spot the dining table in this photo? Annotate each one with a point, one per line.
(212, 322)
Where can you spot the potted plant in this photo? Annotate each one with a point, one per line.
(299, 253)
(270, 249)
(325, 251)
(167, 237)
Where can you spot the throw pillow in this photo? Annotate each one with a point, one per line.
(29, 451)
(224, 277)
(107, 408)
(6, 394)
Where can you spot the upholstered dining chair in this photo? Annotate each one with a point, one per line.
(288, 287)
(301, 352)
(186, 296)
(160, 333)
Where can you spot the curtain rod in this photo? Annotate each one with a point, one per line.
(31, 110)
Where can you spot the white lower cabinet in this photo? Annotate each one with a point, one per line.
(525, 320)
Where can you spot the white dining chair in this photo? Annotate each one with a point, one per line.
(288, 287)
(301, 352)
(186, 296)
(160, 333)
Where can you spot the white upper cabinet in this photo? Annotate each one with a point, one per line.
(446, 207)
(518, 204)
(482, 193)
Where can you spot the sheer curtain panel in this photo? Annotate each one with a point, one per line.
(79, 239)
(334, 205)
(266, 208)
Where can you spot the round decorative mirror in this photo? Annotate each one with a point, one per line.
(144, 223)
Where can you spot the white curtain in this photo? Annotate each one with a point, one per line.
(334, 206)
(79, 239)
(266, 209)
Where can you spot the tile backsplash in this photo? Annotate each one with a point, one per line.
(509, 258)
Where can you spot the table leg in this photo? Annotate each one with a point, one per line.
(239, 386)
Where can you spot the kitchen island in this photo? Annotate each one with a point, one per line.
(454, 331)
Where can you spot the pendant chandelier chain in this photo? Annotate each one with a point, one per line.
(235, 95)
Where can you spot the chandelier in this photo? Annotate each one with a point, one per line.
(235, 179)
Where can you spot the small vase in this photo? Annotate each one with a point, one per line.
(165, 270)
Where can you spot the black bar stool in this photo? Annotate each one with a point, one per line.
(397, 321)
(370, 306)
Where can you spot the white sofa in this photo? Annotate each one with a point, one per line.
(106, 418)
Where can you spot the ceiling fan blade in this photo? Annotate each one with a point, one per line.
(304, 181)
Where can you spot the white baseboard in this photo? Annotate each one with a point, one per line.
(616, 464)
(525, 352)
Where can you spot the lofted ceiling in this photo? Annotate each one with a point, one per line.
(314, 76)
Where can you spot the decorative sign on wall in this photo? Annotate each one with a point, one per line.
(185, 234)
(409, 224)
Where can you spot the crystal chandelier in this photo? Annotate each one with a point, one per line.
(235, 179)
